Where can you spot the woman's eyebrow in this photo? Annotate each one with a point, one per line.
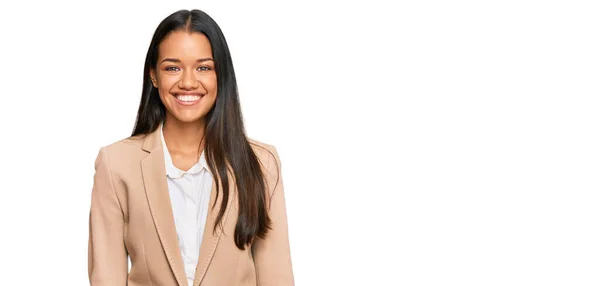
(179, 61)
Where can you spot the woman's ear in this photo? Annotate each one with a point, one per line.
(153, 78)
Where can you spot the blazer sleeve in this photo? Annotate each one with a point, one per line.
(107, 256)
(272, 255)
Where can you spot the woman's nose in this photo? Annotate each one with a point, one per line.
(188, 80)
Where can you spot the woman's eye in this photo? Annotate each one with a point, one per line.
(171, 69)
(204, 68)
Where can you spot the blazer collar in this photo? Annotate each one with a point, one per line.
(157, 193)
(152, 141)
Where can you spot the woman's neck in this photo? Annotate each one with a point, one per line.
(184, 137)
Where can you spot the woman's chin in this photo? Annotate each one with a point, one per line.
(188, 118)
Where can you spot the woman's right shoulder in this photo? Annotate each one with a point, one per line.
(131, 142)
(126, 149)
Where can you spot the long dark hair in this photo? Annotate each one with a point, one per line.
(226, 141)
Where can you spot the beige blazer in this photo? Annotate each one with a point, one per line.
(131, 215)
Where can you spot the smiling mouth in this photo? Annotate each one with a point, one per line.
(188, 99)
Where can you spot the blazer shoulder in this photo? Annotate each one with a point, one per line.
(256, 144)
(124, 150)
(269, 158)
(264, 151)
(125, 145)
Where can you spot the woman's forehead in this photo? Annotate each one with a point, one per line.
(183, 44)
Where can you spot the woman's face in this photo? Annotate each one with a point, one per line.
(185, 76)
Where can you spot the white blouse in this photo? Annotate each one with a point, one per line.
(189, 192)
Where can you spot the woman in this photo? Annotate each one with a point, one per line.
(188, 197)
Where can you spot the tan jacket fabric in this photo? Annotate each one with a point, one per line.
(131, 215)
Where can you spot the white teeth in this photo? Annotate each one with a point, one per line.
(188, 98)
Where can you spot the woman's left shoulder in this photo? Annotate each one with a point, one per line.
(264, 151)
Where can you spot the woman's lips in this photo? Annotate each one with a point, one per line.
(188, 99)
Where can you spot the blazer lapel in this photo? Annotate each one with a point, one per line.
(210, 239)
(157, 192)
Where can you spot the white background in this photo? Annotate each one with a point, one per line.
(422, 142)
